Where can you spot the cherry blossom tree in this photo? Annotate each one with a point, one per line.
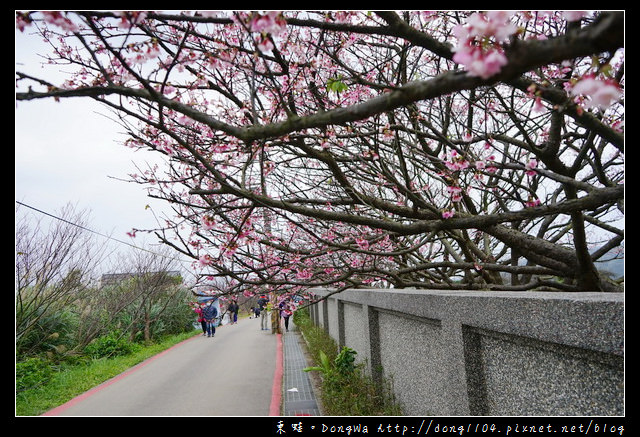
(427, 149)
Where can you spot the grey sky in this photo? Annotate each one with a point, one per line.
(67, 152)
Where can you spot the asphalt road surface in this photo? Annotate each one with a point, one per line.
(231, 374)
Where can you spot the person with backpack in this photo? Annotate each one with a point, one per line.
(262, 305)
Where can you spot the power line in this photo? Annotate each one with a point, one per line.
(94, 232)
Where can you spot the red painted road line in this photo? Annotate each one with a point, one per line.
(55, 411)
(276, 390)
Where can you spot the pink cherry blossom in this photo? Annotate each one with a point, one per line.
(490, 64)
(229, 250)
(447, 214)
(208, 222)
(478, 48)
(456, 163)
(532, 202)
(455, 192)
(601, 93)
(362, 243)
(304, 274)
(22, 21)
(153, 51)
(205, 260)
(531, 165)
(618, 125)
(479, 62)
(451, 165)
(264, 43)
(210, 14)
(491, 24)
(573, 15)
(129, 18)
(56, 18)
(271, 22)
(538, 106)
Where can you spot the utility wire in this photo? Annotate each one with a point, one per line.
(94, 232)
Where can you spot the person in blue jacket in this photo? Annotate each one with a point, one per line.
(210, 312)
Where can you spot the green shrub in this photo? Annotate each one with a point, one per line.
(110, 345)
(345, 361)
(347, 390)
(325, 365)
(32, 372)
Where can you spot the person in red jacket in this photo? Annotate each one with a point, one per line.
(285, 313)
(198, 311)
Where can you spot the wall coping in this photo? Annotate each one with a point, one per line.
(590, 320)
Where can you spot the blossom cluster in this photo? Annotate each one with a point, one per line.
(23, 20)
(600, 93)
(479, 42)
(271, 23)
(208, 222)
(217, 75)
(128, 19)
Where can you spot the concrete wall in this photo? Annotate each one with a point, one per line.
(486, 353)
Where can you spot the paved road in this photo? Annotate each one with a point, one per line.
(236, 373)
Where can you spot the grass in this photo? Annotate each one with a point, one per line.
(346, 388)
(71, 381)
(349, 392)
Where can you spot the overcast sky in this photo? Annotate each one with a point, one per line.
(69, 152)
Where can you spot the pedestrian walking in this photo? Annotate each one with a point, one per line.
(210, 312)
(203, 324)
(262, 306)
(285, 313)
(233, 309)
